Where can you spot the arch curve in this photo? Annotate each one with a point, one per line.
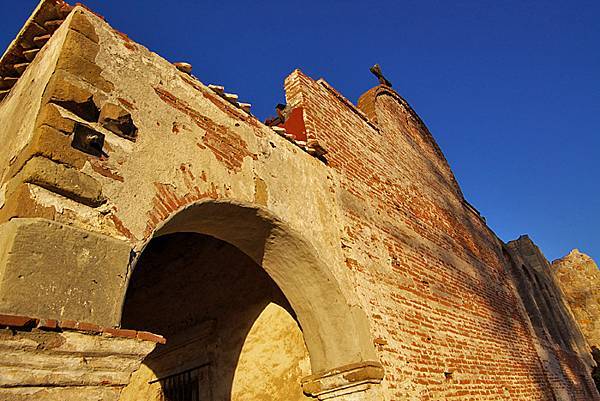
(336, 332)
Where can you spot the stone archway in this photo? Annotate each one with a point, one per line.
(336, 334)
(230, 332)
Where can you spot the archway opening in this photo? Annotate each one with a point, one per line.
(231, 333)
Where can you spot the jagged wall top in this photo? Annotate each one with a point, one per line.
(45, 20)
(579, 278)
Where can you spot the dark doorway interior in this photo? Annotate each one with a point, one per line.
(223, 318)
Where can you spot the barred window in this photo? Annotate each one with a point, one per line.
(185, 386)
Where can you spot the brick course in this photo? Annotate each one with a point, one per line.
(20, 323)
(449, 326)
(449, 313)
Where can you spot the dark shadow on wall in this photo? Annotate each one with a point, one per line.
(203, 295)
(596, 371)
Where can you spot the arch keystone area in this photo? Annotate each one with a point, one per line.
(336, 333)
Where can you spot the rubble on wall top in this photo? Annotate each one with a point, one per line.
(37, 31)
(184, 67)
(311, 147)
(231, 98)
(217, 88)
(49, 16)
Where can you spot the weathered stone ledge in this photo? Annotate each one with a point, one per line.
(25, 323)
(47, 360)
(345, 379)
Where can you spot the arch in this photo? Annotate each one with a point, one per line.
(336, 332)
(226, 324)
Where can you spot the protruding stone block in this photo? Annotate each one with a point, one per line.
(217, 88)
(183, 67)
(53, 271)
(81, 23)
(232, 97)
(64, 87)
(59, 179)
(349, 382)
(78, 43)
(53, 144)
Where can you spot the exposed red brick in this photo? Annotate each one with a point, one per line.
(49, 324)
(167, 200)
(227, 146)
(295, 124)
(147, 336)
(120, 226)
(225, 106)
(17, 321)
(221, 104)
(104, 170)
(471, 324)
(88, 327)
(127, 103)
(91, 11)
(120, 332)
(68, 324)
(127, 42)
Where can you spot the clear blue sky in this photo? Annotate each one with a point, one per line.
(510, 89)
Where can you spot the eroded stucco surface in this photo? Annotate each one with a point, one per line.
(579, 278)
(395, 287)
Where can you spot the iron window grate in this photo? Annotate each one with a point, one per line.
(183, 386)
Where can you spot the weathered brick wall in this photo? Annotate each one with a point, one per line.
(373, 245)
(429, 271)
(194, 162)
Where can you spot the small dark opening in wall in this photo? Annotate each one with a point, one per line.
(86, 110)
(448, 375)
(88, 141)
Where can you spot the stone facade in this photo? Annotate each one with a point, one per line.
(332, 257)
(562, 349)
(579, 278)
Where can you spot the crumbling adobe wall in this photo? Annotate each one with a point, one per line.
(381, 257)
(579, 278)
(124, 146)
(449, 324)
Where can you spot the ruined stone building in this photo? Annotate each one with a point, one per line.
(579, 278)
(158, 242)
